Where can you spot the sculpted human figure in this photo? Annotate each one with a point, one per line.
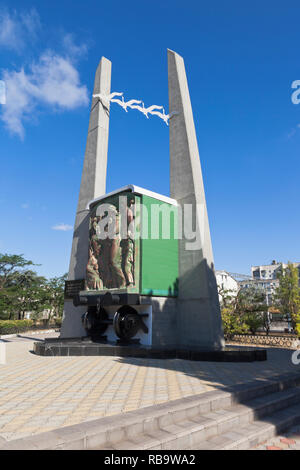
(111, 255)
(92, 273)
(128, 246)
(114, 257)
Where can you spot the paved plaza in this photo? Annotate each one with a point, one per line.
(38, 394)
(289, 440)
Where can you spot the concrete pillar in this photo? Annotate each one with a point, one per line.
(93, 184)
(199, 319)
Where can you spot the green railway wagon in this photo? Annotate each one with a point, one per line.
(133, 244)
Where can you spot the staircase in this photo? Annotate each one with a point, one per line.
(241, 417)
(217, 421)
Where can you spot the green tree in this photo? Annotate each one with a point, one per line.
(23, 290)
(12, 267)
(55, 300)
(233, 324)
(32, 294)
(246, 311)
(227, 296)
(287, 295)
(251, 307)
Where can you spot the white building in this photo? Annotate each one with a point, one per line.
(265, 276)
(226, 282)
(268, 286)
(266, 271)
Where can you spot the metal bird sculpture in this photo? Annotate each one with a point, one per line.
(131, 102)
(148, 110)
(107, 98)
(125, 104)
(134, 104)
(165, 117)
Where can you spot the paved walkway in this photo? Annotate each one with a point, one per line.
(38, 394)
(288, 441)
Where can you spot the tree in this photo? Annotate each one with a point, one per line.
(243, 312)
(31, 293)
(23, 290)
(233, 324)
(227, 296)
(251, 306)
(55, 287)
(10, 266)
(287, 295)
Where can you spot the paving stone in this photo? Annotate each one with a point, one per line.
(36, 390)
(287, 441)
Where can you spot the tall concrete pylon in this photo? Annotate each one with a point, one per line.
(93, 185)
(198, 316)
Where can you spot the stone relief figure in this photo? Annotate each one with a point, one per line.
(128, 247)
(127, 260)
(92, 273)
(111, 260)
(111, 257)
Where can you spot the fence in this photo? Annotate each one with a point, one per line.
(279, 341)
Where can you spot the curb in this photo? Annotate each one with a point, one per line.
(30, 332)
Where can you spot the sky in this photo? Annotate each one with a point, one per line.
(241, 59)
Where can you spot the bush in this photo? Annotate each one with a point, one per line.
(8, 327)
(297, 324)
(58, 322)
(232, 324)
(253, 321)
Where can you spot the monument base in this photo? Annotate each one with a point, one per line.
(86, 347)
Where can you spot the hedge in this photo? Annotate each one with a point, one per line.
(8, 327)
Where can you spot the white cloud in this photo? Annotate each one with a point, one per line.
(63, 227)
(292, 132)
(73, 50)
(31, 22)
(2, 92)
(17, 29)
(53, 82)
(9, 32)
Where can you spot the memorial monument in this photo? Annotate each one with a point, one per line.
(192, 317)
(128, 287)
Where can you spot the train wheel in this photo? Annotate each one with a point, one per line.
(93, 321)
(126, 322)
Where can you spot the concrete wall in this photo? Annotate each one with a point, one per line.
(164, 321)
(93, 184)
(199, 320)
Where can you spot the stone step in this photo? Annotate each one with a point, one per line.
(179, 432)
(255, 433)
(179, 424)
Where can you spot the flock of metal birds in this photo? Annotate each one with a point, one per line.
(134, 104)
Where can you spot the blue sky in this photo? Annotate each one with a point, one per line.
(241, 59)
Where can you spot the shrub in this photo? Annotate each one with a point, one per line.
(58, 322)
(297, 324)
(254, 321)
(8, 327)
(232, 323)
